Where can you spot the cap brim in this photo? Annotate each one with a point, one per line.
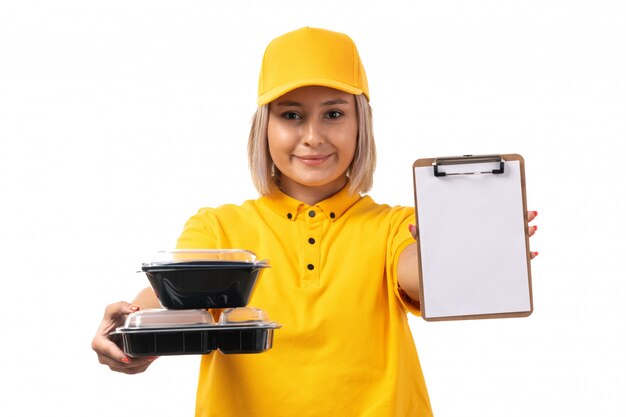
(281, 90)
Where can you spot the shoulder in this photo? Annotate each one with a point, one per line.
(227, 210)
(211, 225)
(226, 213)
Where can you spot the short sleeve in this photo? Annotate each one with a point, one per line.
(199, 231)
(399, 239)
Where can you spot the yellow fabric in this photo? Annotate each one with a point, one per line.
(345, 348)
(311, 56)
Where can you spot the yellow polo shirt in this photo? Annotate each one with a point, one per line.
(345, 348)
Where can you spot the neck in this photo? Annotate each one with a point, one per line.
(311, 195)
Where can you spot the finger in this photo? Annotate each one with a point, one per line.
(135, 366)
(530, 215)
(114, 316)
(121, 308)
(102, 342)
(533, 255)
(108, 351)
(532, 230)
(130, 371)
(111, 355)
(413, 230)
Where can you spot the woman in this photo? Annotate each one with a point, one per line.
(344, 270)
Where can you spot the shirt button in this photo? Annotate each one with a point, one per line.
(311, 240)
(310, 267)
(289, 216)
(311, 213)
(332, 215)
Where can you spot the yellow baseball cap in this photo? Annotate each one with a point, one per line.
(310, 56)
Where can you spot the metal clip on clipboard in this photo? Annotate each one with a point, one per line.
(468, 159)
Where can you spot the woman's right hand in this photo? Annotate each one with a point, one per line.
(105, 346)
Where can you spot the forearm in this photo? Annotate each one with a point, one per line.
(408, 272)
(146, 299)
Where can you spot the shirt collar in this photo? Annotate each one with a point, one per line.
(290, 208)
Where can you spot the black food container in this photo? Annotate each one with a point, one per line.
(193, 279)
(245, 330)
(161, 332)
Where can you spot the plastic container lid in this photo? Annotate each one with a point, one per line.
(163, 318)
(203, 257)
(243, 315)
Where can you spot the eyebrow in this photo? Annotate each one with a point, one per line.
(288, 103)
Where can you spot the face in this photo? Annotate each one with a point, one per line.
(312, 134)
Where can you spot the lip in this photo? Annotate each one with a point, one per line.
(313, 160)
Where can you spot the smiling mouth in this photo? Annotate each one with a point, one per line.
(313, 160)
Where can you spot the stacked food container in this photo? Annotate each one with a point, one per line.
(187, 283)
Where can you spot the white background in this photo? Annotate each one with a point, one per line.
(119, 119)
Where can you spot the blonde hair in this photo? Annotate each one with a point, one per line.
(361, 171)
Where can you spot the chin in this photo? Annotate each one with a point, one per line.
(319, 182)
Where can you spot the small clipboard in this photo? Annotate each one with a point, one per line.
(472, 234)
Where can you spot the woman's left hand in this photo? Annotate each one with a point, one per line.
(532, 229)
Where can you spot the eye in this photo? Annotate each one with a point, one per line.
(334, 114)
(290, 115)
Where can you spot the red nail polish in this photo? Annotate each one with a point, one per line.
(125, 360)
(535, 213)
(536, 227)
(536, 253)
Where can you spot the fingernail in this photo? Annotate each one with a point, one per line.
(535, 212)
(536, 253)
(125, 359)
(133, 307)
(536, 227)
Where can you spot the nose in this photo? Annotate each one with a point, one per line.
(313, 134)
